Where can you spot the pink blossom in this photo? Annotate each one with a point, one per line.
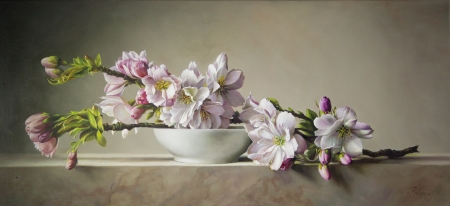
(141, 97)
(274, 143)
(208, 116)
(345, 159)
(133, 65)
(325, 156)
(38, 127)
(223, 84)
(117, 107)
(47, 148)
(160, 86)
(115, 85)
(255, 114)
(189, 99)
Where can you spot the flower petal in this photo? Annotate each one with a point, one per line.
(286, 120)
(325, 121)
(277, 160)
(352, 146)
(122, 114)
(232, 76)
(345, 113)
(234, 98)
(302, 146)
(322, 132)
(330, 141)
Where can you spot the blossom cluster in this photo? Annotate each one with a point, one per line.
(187, 101)
(280, 137)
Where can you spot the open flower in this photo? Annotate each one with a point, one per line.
(115, 85)
(341, 131)
(255, 114)
(272, 145)
(47, 148)
(189, 99)
(223, 85)
(208, 116)
(117, 107)
(133, 65)
(39, 127)
(191, 77)
(160, 86)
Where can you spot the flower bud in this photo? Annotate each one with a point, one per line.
(71, 164)
(141, 97)
(324, 172)
(345, 159)
(38, 127)
(287, 164)
(325, 156)
(325, 105)
(51, 62)
(53, 72)
(137, 111)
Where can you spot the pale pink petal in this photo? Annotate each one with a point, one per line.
(234, 98)
(122, 114)
(222, 72)
(206, 124)
(214, 109)
(202, 94)
(225, 122)
(332, 129)
(221, 61)
(288, 150)
(232, 76)
(277, 160)
(352, 146)
(302, 145)
(266, 133)
(330, 141)
(317, 141)
(350, 123)
(196, 120)
(215, 121)
(325, 121)
(362, 133)
(124, 133)
(237, 84)
(268, 108)
(286, 120)
(361, 126)
(345, 113)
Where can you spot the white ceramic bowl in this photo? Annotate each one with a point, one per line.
(208, 146)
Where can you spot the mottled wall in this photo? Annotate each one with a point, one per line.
(387, 60)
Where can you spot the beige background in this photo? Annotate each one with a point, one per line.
(389, 61)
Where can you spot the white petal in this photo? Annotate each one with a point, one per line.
(330, 141)
(322, 132)
(277, 160)
(266, 133)
(234, 98)
(350, 123)
(268, 108)
(286, 120)
(122, 114)
(345, 113)
(317, 141)
(288, 150)
(352, 146)
(325, 121)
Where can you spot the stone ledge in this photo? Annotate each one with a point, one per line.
(158, 180)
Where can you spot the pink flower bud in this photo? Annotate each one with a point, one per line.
(72, 160)
(136, 112)
(71, 164)
(72, 155)
(325, 105)
(51, 62)
(324, 172)
(53, 72)
(324, 156)
(287, 164)
(345, 159)
(141, 97)
(38, 127)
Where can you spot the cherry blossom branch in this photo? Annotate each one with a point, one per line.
(118, 74)
(390, 153)
(121, 126)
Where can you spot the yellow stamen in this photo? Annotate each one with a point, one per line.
(279, 141)
(204, 115)
(221, 82)
(185, 99)
(344, 132)
(162, 85)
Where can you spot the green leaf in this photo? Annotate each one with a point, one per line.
(75, 131)
(306, 132)
(311, 154)
(100, 123)
(98, 60)
(101, 140)
(95, 111)
(150, 115)
(275, 103)
(87, 134)
(310, 114)
(306, 125)
(91, 119)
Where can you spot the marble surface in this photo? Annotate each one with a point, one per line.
(158, 180)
